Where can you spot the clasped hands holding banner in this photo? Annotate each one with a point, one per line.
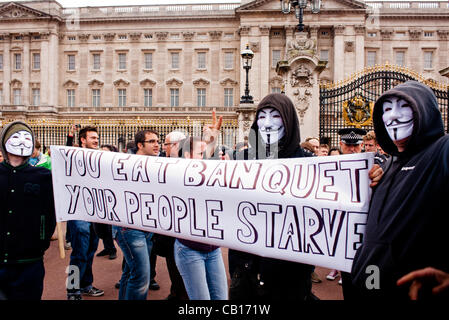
(309, 210)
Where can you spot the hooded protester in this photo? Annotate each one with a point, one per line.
(407, 223)
(274, 134)
(27, 215)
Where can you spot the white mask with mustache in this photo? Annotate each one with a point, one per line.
(398, 118)
(20, 144)
(270, 124)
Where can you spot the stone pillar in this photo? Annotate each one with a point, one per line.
(53, 70)
(359, 47)
(339, 53)
(7, 70)
(443, 47)
(45, 65)
(26, 70)
(387, 51)
(265, 63)
(246, 114)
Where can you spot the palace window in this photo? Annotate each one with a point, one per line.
(275, 90)
(36, 61)
(201, 60)
(70, 97)
(371, 58)
(148, 97)
(96, 61)
(275, 57)
(96, 98)
(400, 58)
(324, 55)
(174, 97)
(1, 61)
(201, 97)
(36, 97)
(175, 60)
(228, 97)
(428, 59)
(229, 60)
(17, 61)
(17, 96)
(148, 60)
(71, 62)
(122, 97)
(122, 61)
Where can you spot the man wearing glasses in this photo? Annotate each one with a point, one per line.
(135, 280)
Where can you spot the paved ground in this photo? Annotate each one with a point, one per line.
(107, 273)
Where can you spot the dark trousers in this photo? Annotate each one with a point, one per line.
(153, 258)
(177, 289)
(22, 281)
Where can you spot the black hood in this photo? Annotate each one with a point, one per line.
(290, 142)
(427, 123)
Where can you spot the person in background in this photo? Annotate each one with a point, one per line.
(370, 144)
(27, 215)
(84, 241)
(39, 159)
(335, 151)
(315, 143)
(200, 265)
(324, 150)
(104, 231)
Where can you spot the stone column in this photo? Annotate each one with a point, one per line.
(53, 70)
(359, 47)
(443, 47)
(387, 51)
(7, 70)
(339, 53)
(265, 63)
(26, 70)
(45, 65)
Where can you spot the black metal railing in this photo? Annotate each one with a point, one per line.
(369, 85)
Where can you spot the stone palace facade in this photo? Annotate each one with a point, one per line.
(179, 61)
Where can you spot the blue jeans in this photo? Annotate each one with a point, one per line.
(84, 245)
(136, 246)
(203, 273)
(22, 281)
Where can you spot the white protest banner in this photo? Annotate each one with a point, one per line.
(310, 210)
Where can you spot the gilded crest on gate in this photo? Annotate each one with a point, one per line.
(358, 112)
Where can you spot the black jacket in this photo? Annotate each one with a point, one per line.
(409, 216)
(273, 279)
(27, 213)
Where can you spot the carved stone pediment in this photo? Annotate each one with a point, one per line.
(244, 30)
(15, 83)
(201, 82)
(277, 81)
(174, 82)
(188, 35)
(83, 37)
(96, 82)
(147, 83)
(121, 83)
(228, 82)
(17, 11)
(135, 36)
(386, 34)
(70, 83)
(109, 36)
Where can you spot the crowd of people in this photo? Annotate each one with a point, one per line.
(404, 236)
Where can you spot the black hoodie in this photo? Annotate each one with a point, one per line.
(272, 279)
(409, 216)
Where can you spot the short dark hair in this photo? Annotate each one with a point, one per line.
(110, 147)
(187, 145)
(140, 136)
(83, 133)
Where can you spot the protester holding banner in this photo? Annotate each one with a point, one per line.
(136, 244)
(274, 134)
(83, 239)
(27, 215)
(200, 265)
(407, 224)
